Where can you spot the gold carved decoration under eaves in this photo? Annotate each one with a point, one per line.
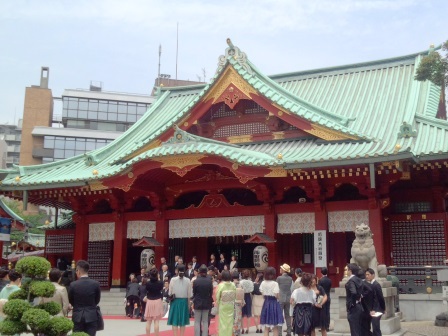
(240, 138)
(180, 161)
(229, 82)
(97, 185)
(328, 134)
(277, 172)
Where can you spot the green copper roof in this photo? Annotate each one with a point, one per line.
(378, 102)
(11, 213)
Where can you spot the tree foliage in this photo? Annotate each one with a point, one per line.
(434, 67)
(33, 220)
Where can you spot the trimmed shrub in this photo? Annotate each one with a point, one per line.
(52, 308)
(33, 267)
(9, 327)
(58, 326)
(20, 295)
(37, 319)
(42, 288)
(15, 308)
(79, 333)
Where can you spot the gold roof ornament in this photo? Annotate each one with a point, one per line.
(17, 179)
(280, 156)
(95, 172)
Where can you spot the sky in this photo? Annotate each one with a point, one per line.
(117, 42)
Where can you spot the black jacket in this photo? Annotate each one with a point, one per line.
(168, 274)
(378, 299)
(202, 293)
(353, 292)
(325, 282)
(84, 295)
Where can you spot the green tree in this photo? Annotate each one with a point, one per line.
(434, 67)
(33, 220)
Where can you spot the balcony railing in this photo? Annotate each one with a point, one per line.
(418, 279)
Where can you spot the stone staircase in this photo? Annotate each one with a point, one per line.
(334, 308)
(112, 302)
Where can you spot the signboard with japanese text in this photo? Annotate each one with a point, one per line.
(320, 248)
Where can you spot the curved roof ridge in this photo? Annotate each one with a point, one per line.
(334, 116)
(391, 60)
(431, 120)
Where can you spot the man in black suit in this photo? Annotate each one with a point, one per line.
(353, 300)
(367, 303)
(202, 301)
(84, 295)
(325, 282)
(379, 305)
(196, 265)
(190, 271)
(141, 275)
(162, 262)
(165, 274)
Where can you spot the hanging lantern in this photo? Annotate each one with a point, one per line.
(260, 256)
(147, 259)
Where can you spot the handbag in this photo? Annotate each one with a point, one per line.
(214, 311)
(171, 298)
(319, 299)
(145, 299)
(100, 321)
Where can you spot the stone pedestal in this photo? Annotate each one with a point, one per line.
(390, 324)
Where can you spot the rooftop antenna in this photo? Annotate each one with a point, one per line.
(160, 56)
(177, 46)
(204, 74)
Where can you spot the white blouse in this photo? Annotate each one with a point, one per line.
(303, 295)
(269, 288)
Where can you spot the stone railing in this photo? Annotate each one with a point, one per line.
(418, 279)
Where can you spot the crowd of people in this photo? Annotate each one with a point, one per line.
(237, 300)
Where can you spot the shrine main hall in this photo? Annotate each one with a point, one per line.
(250, 159)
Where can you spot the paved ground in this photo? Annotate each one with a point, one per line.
(126, 327)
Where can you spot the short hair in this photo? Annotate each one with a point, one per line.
(306, 279)
(235, 275)
(134, 280)
(354, 268)
(83, 266)
(361, 274)
(153, 274)
(144, 281)
(55, 275)
(194, 257)
(298, 270)
(190, 264)
(371, 271)
(181, 268)
(246, 274)
(269, 273)
(14, 275)
(203, 269)
(225, 275)
(3, 272)
(324, 271)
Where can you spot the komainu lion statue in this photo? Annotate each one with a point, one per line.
(363, 251)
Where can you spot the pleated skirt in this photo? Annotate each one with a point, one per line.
(271, 313)
(154, 309)
(179, 314)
